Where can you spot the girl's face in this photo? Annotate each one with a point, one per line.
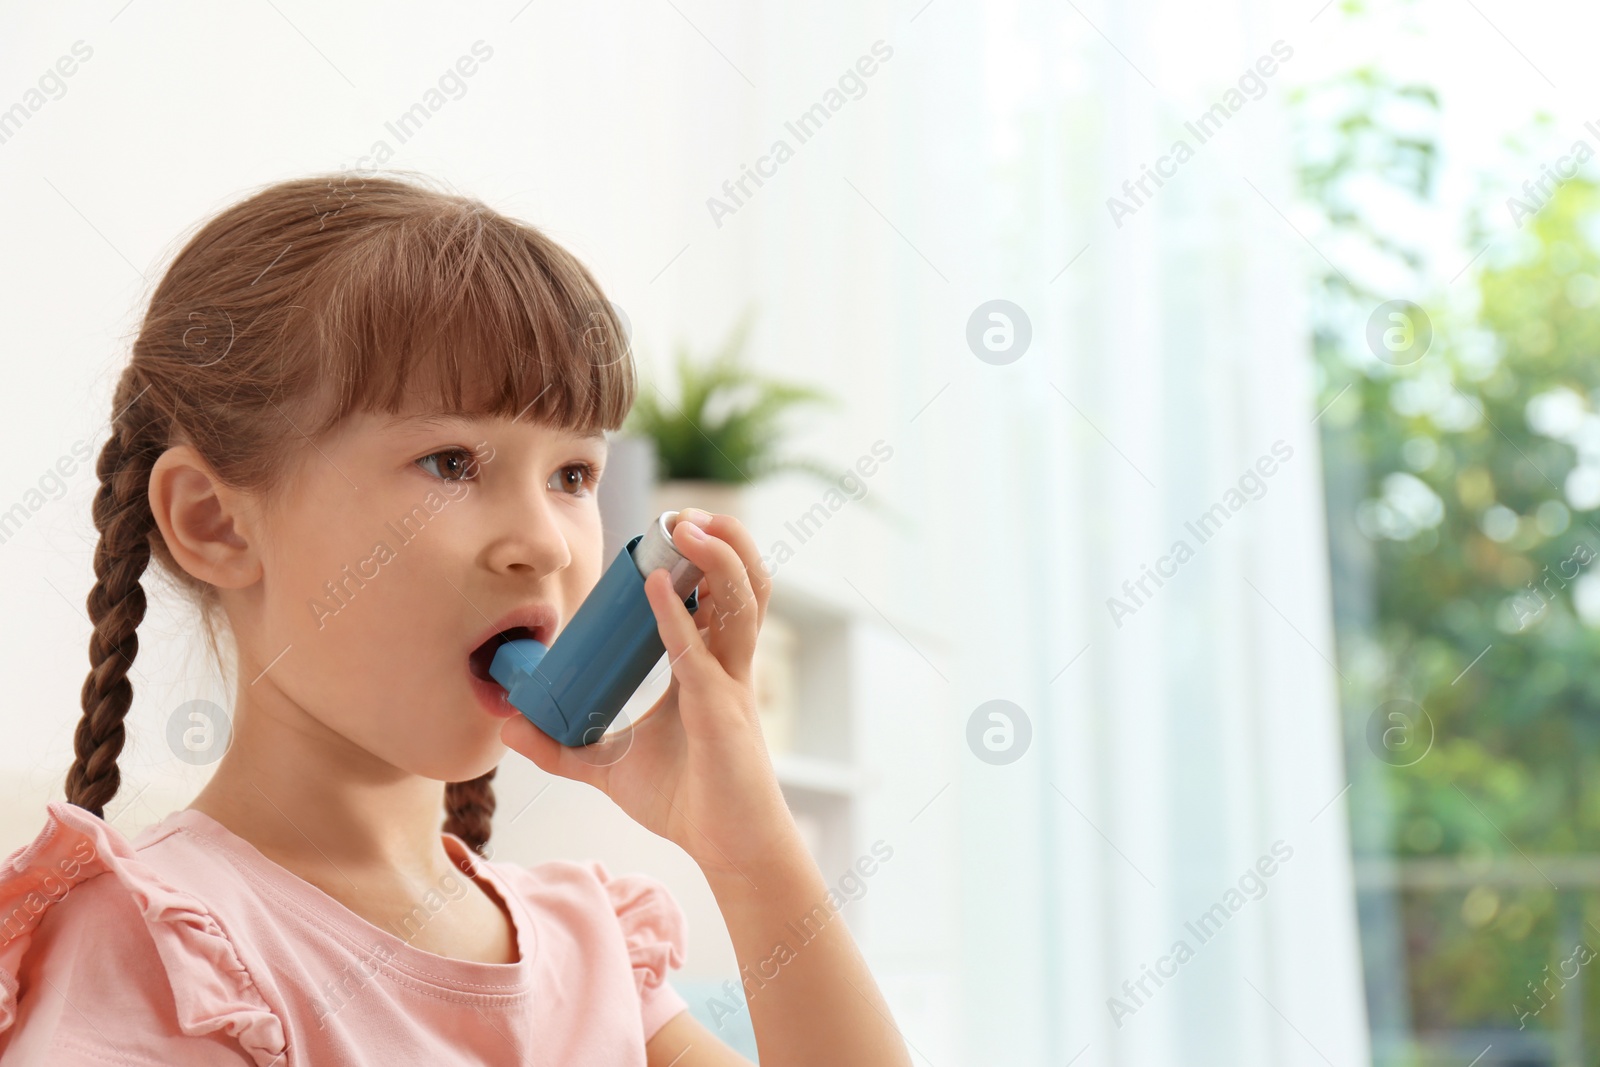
(399, 547)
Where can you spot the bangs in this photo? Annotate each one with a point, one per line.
(463, 311)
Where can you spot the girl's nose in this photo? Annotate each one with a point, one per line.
(528, 539)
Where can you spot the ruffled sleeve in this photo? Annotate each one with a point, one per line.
(656, 933)
(92, 942)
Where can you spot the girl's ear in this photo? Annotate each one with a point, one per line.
(207, 526)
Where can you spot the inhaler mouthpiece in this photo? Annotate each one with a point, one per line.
(606, 650)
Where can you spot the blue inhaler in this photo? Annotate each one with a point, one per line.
(573, 689)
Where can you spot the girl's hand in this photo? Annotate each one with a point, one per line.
(694, 769)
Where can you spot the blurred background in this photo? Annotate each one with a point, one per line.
(1174, 430)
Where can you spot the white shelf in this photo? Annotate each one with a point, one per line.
(808, 599)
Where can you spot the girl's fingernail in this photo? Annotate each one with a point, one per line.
(695, 531)
(695, 516)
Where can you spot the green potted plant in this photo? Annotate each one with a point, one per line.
(722, 429)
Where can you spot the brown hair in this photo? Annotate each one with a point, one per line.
(308, 301)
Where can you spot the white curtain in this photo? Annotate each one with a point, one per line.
(1171, 753)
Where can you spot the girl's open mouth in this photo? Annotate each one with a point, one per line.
(480, 658)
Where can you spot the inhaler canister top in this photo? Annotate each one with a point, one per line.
(655, 549)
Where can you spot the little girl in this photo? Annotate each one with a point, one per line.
(362, 426)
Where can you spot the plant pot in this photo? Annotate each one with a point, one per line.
(626, 491)
(719, 498)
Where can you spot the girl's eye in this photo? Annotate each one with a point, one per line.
(450, 465)
(574, 478)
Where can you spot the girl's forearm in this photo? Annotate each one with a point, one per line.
(810, 995)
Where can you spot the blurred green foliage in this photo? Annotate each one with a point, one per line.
(725, 422)
(1464, 523)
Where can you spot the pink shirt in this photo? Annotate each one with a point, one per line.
(188, 946)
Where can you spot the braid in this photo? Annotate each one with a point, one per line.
(470, 808)
(116, 606)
